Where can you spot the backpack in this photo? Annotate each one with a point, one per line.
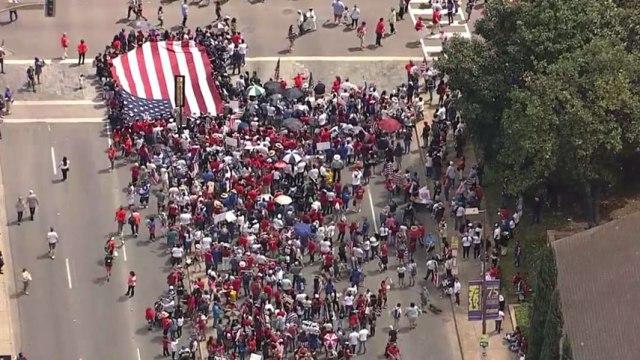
(397, 313)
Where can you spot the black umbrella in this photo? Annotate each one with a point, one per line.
(319, 89)
(272, 87)
(293, 93)
(292, 124)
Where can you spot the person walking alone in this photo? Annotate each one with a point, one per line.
(160, 16)
(26, 281)
(361, 31)
(393, 17)
(185, 12)
(355, 16)
(380, 29)
(64, 168)
(2, 54)
(52, 241)
(64, 42)
(82, 51)
(20, 207)
(32, 202)
(13, 12)
(131, 284)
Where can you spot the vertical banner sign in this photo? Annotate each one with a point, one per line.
(492, 302)
(475, 302)
(179, 91)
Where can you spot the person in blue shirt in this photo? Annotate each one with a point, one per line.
(346, 196)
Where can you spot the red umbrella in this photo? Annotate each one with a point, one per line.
(280, 164)
(331, 340)
(389, 125)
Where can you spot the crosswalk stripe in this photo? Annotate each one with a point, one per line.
(449, 35)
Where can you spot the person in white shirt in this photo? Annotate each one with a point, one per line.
(466, 245)
(176, 255)
(353, 340)
(26, 281)
(499, 321)
(363, 335)
(52, 240)
(314, 19)
(355, 16)
(456, 290)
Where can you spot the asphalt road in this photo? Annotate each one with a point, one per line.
(91, 319)
(74, 315)
(264, 24)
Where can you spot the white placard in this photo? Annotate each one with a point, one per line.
(231, 141)
(323, 146)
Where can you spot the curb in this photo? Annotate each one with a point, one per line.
(7, 281)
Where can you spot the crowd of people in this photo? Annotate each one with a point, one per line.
(259, 206)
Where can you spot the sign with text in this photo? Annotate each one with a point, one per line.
(179, 91)
(492, 296)
(492, 299)
(475, 305)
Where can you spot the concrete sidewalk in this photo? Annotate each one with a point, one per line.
(8, 344)
(469, 332)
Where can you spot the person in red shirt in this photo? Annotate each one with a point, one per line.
(121, 217)
(436, 17)
(235, 38)
(342, 228)
(298, 80)
(150, 316)
(419, 24)
(380, 29)
(82, 51)
(111, 155)
(64, 42)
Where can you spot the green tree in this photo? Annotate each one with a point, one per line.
(519, 41)
(573, 124)
(544, 285)
(552, 330)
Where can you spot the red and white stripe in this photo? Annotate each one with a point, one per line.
(148, 72)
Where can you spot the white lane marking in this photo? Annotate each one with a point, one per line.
(53, 161)
(124, 252)
(373, 210)
(55, 102)
(66, 261)
(138, 353)
(49, 127)
(263, 59)
(55, 120)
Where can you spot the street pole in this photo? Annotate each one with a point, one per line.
(483, 287)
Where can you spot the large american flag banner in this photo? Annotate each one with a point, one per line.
(135, 108)
(148, 71)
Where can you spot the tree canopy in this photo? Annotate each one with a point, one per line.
(550, 90)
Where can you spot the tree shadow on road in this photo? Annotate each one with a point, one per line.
(412, 44)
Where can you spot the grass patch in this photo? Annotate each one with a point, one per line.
(531, 236)
(523, 317)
